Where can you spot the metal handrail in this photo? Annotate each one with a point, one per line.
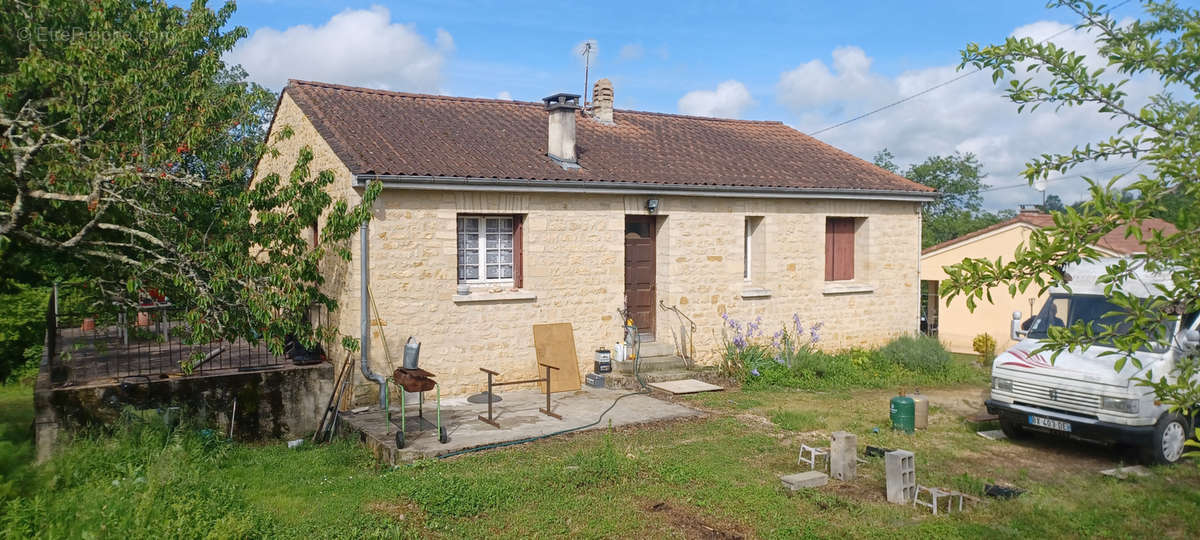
(685, 345)
(665, 307)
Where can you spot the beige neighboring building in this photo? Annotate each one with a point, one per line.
(955, 325)
(548, 212)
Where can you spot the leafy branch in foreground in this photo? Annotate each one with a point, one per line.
(1161, 134)
(127, 149)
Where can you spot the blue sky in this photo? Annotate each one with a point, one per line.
(807, 64)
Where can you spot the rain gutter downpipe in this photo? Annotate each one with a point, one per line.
(365, 310)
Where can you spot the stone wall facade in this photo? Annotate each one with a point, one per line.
(574, 270)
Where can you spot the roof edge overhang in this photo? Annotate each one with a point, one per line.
(460, 183)
(930, 252)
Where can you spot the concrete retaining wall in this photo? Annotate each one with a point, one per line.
(285, 402)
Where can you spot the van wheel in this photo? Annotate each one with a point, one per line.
(1012, 429)
(1166, 446)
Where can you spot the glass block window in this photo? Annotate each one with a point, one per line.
(485, 249)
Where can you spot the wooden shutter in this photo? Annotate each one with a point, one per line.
(839, 249)
(518, 249)
(830, 236)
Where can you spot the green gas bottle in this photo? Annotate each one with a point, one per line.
(903, 413)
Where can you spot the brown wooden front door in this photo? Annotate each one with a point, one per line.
(639, 273)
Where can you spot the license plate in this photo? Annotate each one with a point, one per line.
(1058, 425)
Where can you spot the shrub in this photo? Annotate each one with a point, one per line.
(985, 345)
(790, 359)
(22, 325)
(919, 353)
(748, 354)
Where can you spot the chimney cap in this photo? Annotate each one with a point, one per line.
(561, 100)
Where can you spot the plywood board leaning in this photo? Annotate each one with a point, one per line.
(555, 346)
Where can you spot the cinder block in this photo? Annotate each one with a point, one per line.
(843, 451)
(806, 479)
(901, 476)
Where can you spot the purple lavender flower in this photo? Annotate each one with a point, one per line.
(754, 372)
(739, 342)
(815, 333)
(796, 323)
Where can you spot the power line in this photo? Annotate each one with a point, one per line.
(1080, 175)
(940, 85)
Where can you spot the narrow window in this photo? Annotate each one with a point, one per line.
(753, 250)
(839, 249)
(316, 238)
(489, 249)
(747, 250)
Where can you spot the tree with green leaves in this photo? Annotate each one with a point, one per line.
(127, 147)
(959, 207)
(1163, 134)
(1053, 204)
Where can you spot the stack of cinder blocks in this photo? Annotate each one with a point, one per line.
(901, 476)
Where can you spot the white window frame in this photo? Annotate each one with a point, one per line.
(481, 249)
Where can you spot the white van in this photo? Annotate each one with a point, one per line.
(1079, 394)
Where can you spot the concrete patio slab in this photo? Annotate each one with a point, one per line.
(685, 386)
(517, 415)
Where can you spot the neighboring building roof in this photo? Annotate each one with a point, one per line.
(394, 133)
(1114, 241)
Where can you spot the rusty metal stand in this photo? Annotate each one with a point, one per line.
(491, 384)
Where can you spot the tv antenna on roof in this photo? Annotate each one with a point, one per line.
(585, 50)
(1040, 185)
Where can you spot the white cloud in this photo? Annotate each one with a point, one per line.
(632, 51)
(444, 41)
(727, 101)
(970, 115)
(355, 47)
(504, 95)
(813, 84)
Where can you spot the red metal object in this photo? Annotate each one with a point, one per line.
(413, 380)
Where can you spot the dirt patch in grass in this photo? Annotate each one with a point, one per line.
(690, 523)
(398, 510)
(751, 419)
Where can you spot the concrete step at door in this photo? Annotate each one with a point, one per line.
(621, 381)
(651, 364)
(657, 348)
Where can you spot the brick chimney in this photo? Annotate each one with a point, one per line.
(602, 101)
(561, 140)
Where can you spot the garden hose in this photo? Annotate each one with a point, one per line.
(637, 358)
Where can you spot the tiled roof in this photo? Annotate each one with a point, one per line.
(1114, 241)
(393, 133)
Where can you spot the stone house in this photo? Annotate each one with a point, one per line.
(497, 215)
(954, 324)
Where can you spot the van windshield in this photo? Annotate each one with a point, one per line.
(1064, 310)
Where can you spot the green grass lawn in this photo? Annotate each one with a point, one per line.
(699, 478)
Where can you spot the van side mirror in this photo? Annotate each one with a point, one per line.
(1015, 331)
(1187, 341)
